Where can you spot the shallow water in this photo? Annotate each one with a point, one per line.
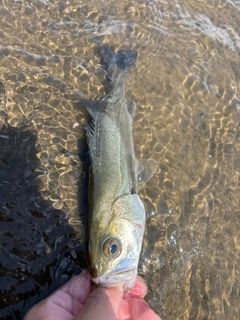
(185, 85)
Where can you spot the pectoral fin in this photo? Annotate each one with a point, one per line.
(131, 106)
(146, 169)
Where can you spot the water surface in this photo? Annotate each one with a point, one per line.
(186, 85)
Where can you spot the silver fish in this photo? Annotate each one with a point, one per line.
(117, 216)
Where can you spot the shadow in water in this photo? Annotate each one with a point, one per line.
(38, 248)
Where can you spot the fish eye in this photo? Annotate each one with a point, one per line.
(111, 247)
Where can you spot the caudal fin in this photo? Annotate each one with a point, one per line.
(123, 59)
(117, 66)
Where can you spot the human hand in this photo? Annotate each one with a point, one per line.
(78, 300)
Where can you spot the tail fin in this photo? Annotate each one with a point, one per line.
(123, 59)
(117, 65)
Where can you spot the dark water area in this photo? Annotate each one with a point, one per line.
(186, 87)
(38, 249)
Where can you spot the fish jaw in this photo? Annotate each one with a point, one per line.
(123, 275)
(127, 281)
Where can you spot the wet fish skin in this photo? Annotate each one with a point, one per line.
(117, 217)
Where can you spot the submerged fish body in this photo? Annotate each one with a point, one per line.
(117, 217)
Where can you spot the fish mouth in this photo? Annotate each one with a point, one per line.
(119, 273)
(115, 278)
(126, 279)
(125, 266)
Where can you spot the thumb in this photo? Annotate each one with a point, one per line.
(102, 304)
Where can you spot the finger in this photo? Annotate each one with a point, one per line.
(140, 310)
(102, 304)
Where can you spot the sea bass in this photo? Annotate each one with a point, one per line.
(117, 216)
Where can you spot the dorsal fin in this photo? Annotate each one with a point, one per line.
(91, 106)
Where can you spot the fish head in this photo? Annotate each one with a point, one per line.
(115, 245)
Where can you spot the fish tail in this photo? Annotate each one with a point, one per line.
(117, 64)
(123, 59)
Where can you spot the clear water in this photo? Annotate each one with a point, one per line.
(186, 85)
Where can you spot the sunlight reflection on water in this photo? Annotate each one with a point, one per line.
(186, 88)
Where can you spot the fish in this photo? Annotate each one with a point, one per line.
(117, 214)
